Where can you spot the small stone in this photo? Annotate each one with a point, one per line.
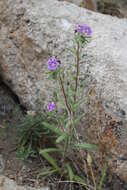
(11, 177)
(122, 170)
(125, 186)
(12, 185)
(1, 181)
(116, 185)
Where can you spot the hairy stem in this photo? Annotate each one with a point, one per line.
(77, 71)
(65, 97)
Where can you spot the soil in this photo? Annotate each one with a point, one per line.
(12, 113)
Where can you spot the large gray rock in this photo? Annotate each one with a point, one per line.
(31, 31)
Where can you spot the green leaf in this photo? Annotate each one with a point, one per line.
(70, 172)
(68, 124)
(50, 159)
(76, 105)
(79, 180)
(52, 128)
(79, 118)
(86, 146)
(47, 150)
(71, 50)
(47, 172)
(61, 138)
(102, 177)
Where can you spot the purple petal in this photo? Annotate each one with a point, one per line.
(84, 29)
(51, 106)
(53, 64)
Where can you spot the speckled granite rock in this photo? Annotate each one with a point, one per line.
(31, 31)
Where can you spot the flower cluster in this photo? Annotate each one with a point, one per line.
(84, 29)
(53, 64)
(51, 106)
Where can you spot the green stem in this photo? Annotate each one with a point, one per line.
(65, 149)
(65, 97)
(77, 70)
(103, 176)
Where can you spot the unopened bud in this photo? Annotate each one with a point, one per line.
(89, 160)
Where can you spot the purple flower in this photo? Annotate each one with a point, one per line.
(84, 29)
(53, 63)
(51, 106)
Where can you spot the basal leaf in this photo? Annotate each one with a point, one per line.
(50, 159)
(70, 172)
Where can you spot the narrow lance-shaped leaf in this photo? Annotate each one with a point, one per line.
(50, 159)
(79, 180)
(47, 150)
(102, 177)
(70, 172)
(78, 118)
(47, 172)
(61, 138)
(86, 146)
(52, 128)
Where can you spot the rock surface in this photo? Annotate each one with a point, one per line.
(7, 184)
(76, 2)
(2, 164)
(115, 8)
(7, 103)
(31, 31)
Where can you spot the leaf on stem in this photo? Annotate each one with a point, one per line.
(53, 128)
(50, 159)
(79, 180)
(86, 146)
(47, 172)
(61, 138)
(103, 175)
(70, 172)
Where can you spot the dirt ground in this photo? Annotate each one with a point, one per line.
(11, 113)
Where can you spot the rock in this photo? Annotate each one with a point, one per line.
(122, 168)
(8, 184)
(10, 110)
(2, 164)
(7, 103)
(125, 186)
(115, 8)
(76, 2)
(32, 31)
(1, 181)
